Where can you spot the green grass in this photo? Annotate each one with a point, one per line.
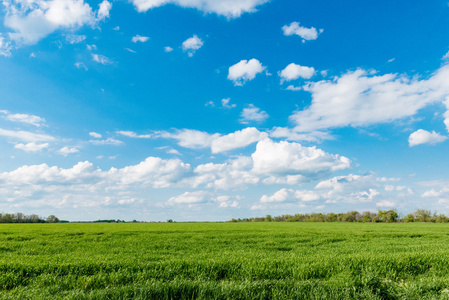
(224, 261)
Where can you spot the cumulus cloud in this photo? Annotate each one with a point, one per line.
(284, 158)
(168, 49)
(305, 33)
(244, 71)
(101, 59)
(227, 8)
(31, 147)
(103, 10)
(238, 139)
(132, 134)
(68, 150)
(5, 47)
(87, 185)
(195, 139)
(74, 38)
(189, 138)
(290, 195)
(189, 198)
(294, 71)
(95, 135)
(26, 135)
(34, 20)
(108, 141)
(23, 118)
(385, 203)
(422, 136)
(291, 135)
(225, 103)
(138, 38)
(192, 44)
(359, 98)
(253, 114)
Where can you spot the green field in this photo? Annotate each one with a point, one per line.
(224, 261)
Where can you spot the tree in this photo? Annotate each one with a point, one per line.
(52, 219)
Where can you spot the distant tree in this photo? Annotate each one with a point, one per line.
(422, 215)
(169, 221)
(52, 219)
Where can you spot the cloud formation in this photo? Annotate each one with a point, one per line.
(227, 8)
(422, 136)
(138, 38)
(192, 44)
(294, 71)
(253, 114)
(23, 118)
(307, 34)
(244, 71)
(33, 20)
(359, 98)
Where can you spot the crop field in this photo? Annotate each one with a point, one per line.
(224, 261)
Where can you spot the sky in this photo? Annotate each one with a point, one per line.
(207, 110)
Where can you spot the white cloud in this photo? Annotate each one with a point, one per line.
(168, 49)
(305, 33)
(195, 139)
(189, 198)
(95, 135)
(34, 20)
(81, 65)
(26, 135)
(284, 158)
(291, 135)
(294, 71)
(280, 196)
(422, 136)
(359, 99)
(74, 38)
(68, 150)
(139, 38)
(445, 56)
(230, 175)
(31, 147)
(103, 10)
(5, 47)
(108, 141)
(189, 138)
(192, 44)
(225, 103)
(101, 59)
(132, 134)
(385, 203)
(227, 8)
(253, 114)
(244, 71)
(293, 88)
(238, 139)
(23, 118)
(86, 185)
(91, 47)
(290, 195)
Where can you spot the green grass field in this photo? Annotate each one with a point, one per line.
(224, 261)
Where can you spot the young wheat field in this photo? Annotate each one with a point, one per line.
(224, 261)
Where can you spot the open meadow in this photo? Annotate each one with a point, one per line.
(224, 261)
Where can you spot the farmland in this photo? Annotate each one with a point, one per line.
(224, 261)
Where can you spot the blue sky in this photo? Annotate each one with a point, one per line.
(220, 109)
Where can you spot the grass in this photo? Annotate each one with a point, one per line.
(224, 261)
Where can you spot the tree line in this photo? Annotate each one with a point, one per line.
(22, 218)
(382, 216)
